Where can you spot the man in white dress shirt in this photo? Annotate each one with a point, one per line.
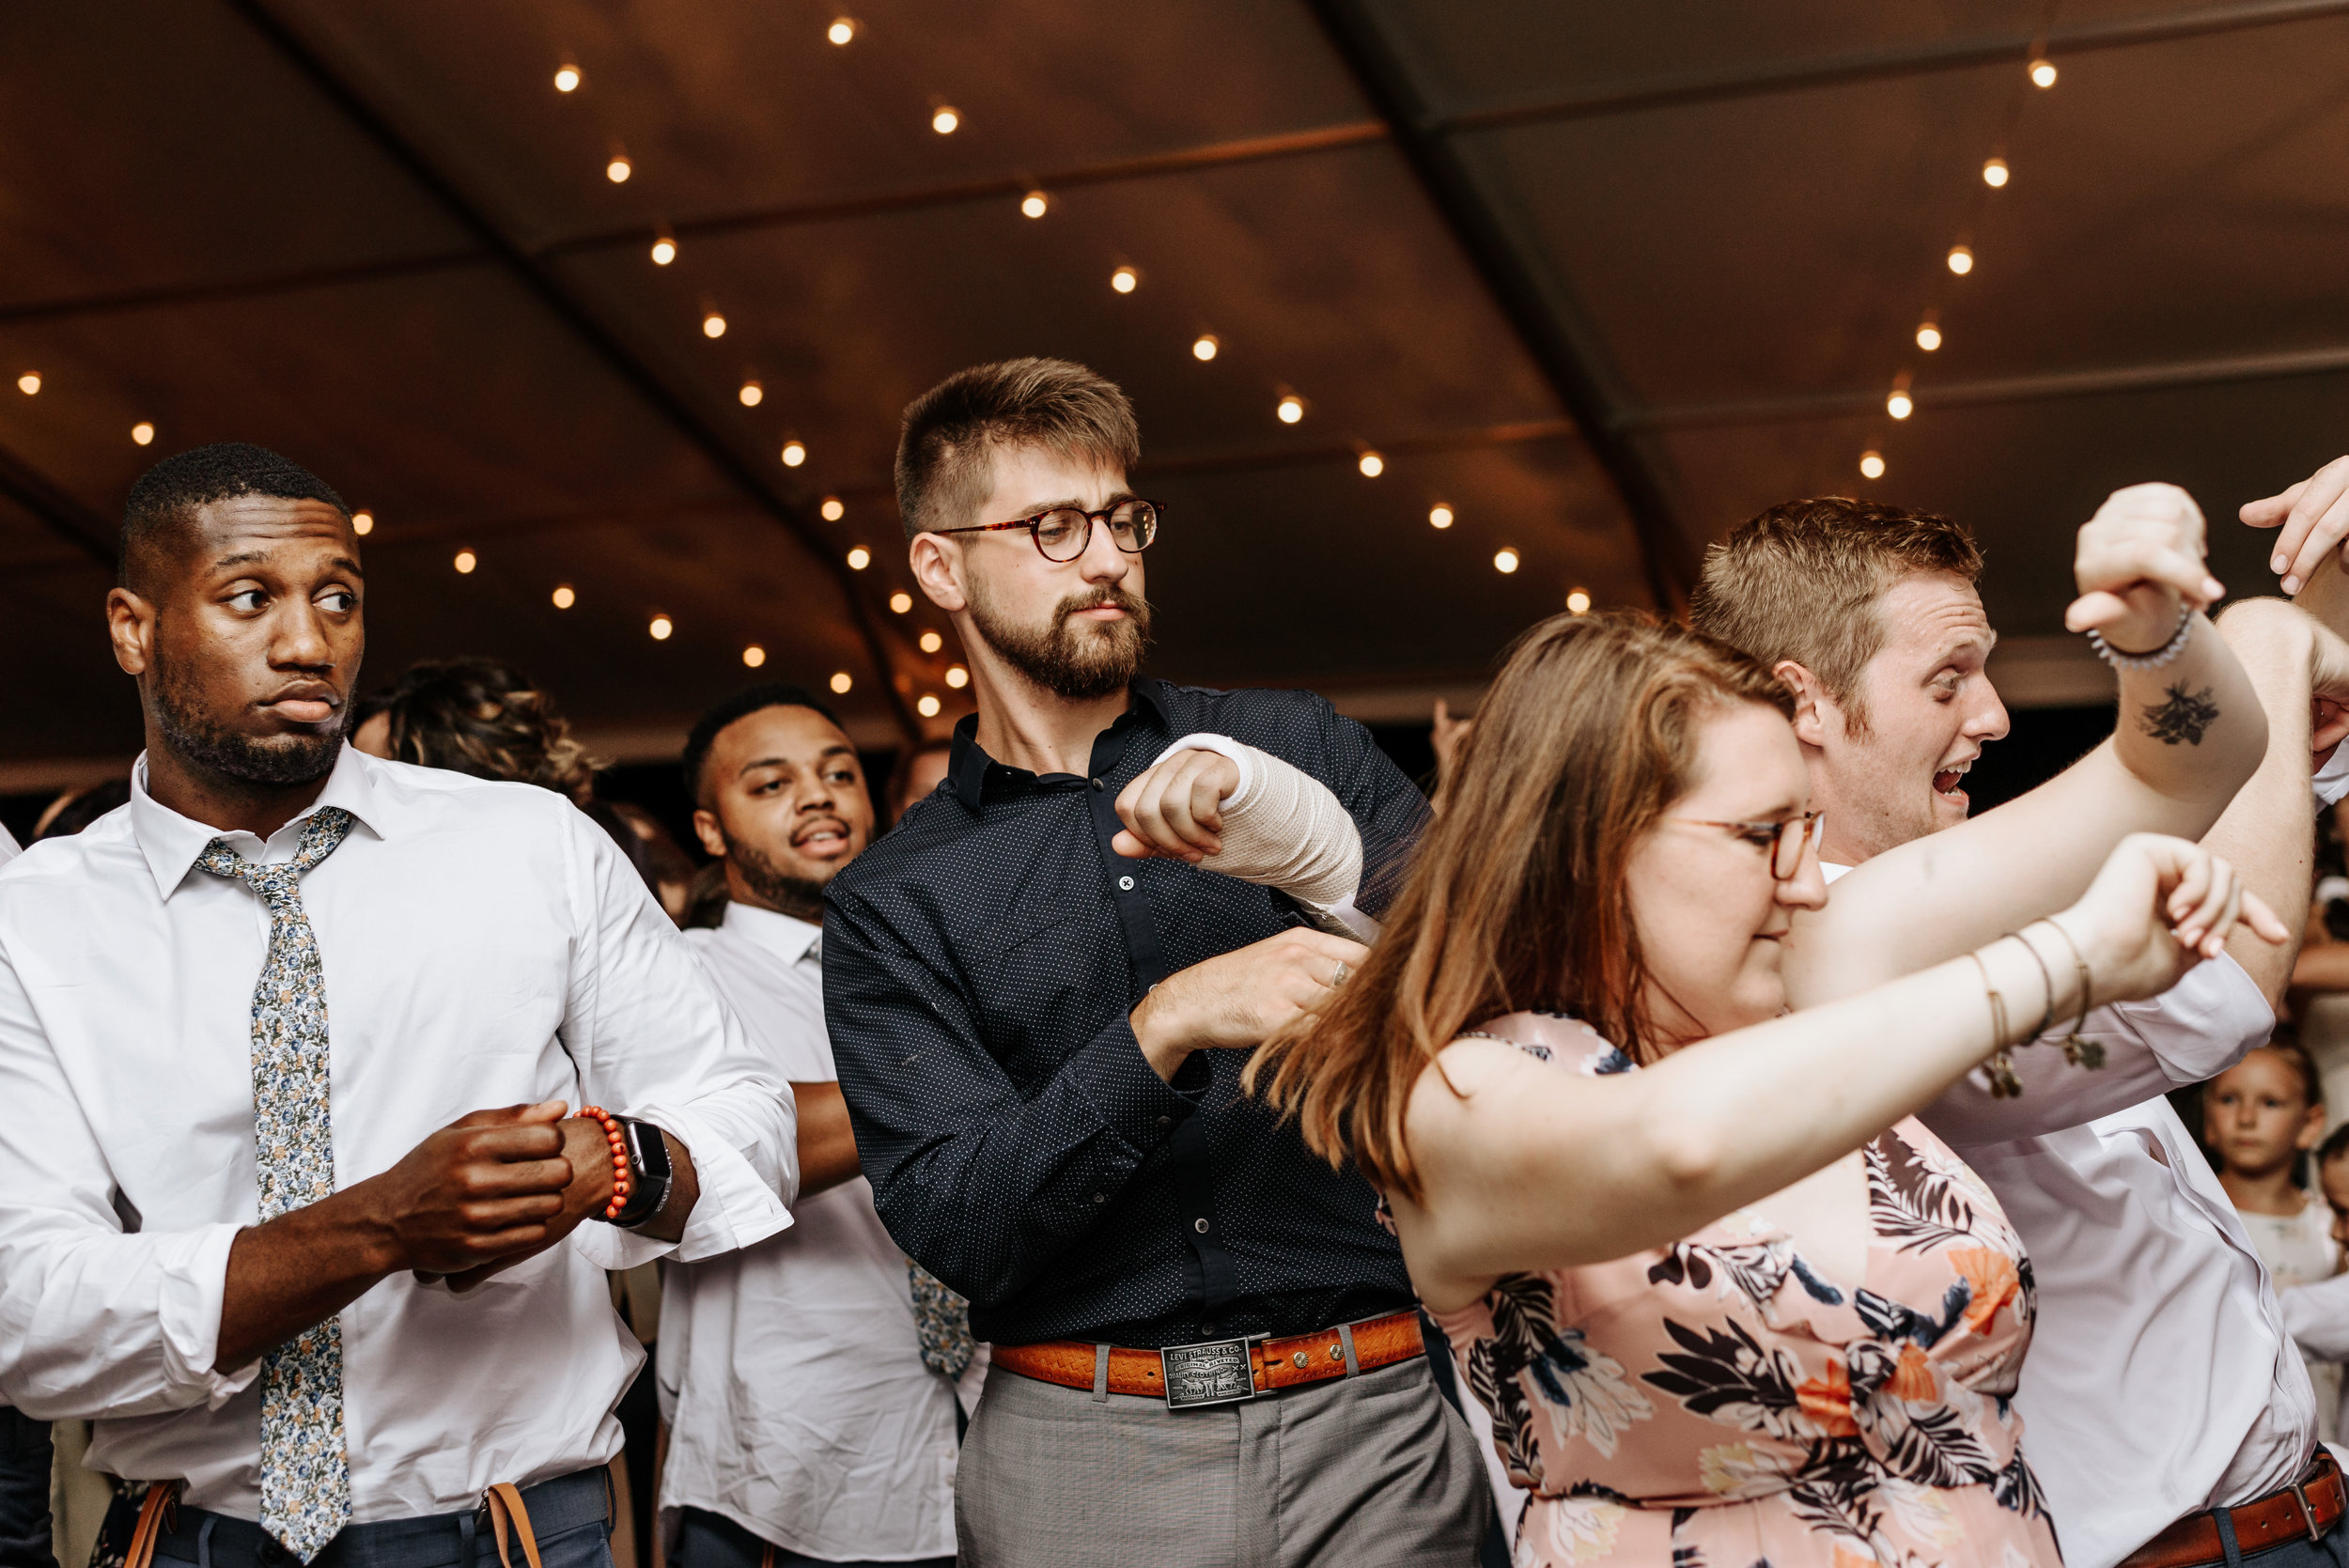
(804, 1425)
(295, 1212)
(2160, 1383)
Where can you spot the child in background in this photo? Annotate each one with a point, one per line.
(2259, 1119)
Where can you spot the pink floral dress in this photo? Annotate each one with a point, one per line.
(1721, 1403)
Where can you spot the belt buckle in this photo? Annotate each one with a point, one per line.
(1212, 1372)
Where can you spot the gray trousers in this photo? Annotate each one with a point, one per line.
(1370, 1471)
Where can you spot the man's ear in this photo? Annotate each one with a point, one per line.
(130, 626)
(1814, 710)
(937, 563)
(705, 829)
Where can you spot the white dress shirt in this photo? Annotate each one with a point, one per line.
(2160, 1380)
(2318, 1315)
(791, 1374)
(483, 944)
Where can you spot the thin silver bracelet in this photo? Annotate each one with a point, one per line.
(2153, 660)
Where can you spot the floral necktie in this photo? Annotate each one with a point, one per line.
(941, 1321)
(305, 1475)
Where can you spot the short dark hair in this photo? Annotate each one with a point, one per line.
(705, 730)
(2335, 1146)
(486, 718)
(950, 430)
(167, 495)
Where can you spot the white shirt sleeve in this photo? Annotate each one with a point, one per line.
(2317, 1316)
(2194, 1030)
(95, 1319)
(654, 1040)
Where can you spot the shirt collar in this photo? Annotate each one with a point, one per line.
(966, 764)
(172, 843)
(787, 937)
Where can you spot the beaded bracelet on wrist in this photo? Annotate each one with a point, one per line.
(622, 1181)
(2119, 660)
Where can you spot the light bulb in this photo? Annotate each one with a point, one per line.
(794, 454)
(833, 509)
(663, 251)
(841, 30)
(1125, 280)
(945, 122)
(932, 642)
(1439, 516)
(900, 602)
(713, 325)
(1204, 347)
(841, 682)
(142, 432)
(564, 597)
(363, 522)
(1035, 204)
(1506, 561)
(927, 706)
(619, 170)
(957, 677)
(1871, 465)
(1291, 410)
(2042, 73)
(661, 627)
(1899, 405)
(1994, 174)
(860, 558)
(1961, 260)
(566, 78)
(751, 395)
(753, 656)
(1372, 465)
(29, 382)
(466, 560)
(1928, 337)
(1578, 601)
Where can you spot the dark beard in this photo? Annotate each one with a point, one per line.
(1080, 663)
(802, 898)
(264, 760)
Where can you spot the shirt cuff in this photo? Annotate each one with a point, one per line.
(735, 1210)
(194, 1292)
(1126, 1093)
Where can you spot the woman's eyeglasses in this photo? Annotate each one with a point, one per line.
(1784, 842)
(1062, 532)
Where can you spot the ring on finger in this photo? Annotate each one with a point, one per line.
(1337, 977)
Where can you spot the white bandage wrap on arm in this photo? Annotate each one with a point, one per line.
(1283, 829)
(2332, 780)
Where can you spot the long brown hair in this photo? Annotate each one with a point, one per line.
(1517, 899)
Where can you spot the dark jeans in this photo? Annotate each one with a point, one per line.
(570, 1515)
(25, 1461)
(2298, 1552)
(707, 1539)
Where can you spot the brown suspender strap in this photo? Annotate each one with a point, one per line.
(504, 1501)
(154, 1518)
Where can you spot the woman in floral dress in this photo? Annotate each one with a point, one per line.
(1728, 1301)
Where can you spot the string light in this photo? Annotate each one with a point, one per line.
(1578, 601)
(619, 170)
(956, 676)
(1899, 405)
(564, 597)
(1928, 337)
(2042, 73)
(466, 560)
(661, 627)
(142, 432)
(1994, 174)
(29, 382)
(753, 656)
(932, 642)
(566, 78)
(841, 31)
(1871, 465)
(794, 453)
(1291, 409)
(860, 558)
(841, 682)
(1961, 260)
(1035, 204)
(363, 522)
(751, 395)
(945, 122)
(900, 602)
(1125, 280)
(663, 251)
(1506, 561)
(833, 509)
(927, 706)
(713, 325)
(1372, 465)
(1439, 516)
(1204, 349)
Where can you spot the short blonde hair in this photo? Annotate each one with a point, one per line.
(950, 431)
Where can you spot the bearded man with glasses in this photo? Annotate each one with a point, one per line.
(1041, 992)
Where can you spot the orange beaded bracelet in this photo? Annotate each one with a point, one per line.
(622, 1182)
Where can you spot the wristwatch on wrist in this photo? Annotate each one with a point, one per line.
(649, 1173)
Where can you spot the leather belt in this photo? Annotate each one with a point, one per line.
(1184, 1374)
(2309, 1506)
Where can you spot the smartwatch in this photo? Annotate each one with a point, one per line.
(650, 1175)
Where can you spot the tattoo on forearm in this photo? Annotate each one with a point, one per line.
(2182, 714)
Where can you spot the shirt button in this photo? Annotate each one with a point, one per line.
(1100, 1198)
(1097, 785)
(1199, 1225)
(1166, 1121)
(1126, 884)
